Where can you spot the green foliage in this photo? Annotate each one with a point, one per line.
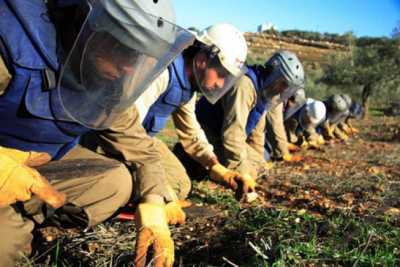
(369, 41)
(375, 67)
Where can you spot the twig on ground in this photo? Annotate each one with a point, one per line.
(229, 262)
(258, 251)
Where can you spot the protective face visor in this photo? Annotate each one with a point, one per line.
(212, 78)
(337, 117)
(292, 107)
(112, 62)
(277, 88)
(277, 92)
(356, 110)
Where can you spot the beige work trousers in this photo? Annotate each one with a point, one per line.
(177, 176)
(100, 192)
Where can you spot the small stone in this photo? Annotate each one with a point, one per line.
(250, 197)
(301, 212)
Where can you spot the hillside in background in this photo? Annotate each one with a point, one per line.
(262, 45)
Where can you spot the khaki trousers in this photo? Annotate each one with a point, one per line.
(177, 176)
(98, 185)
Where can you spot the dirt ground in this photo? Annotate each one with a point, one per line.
(340, 189)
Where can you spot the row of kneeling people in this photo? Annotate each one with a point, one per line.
(88, 84)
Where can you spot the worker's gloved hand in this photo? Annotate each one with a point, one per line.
(293, 147)
(292, 158)
(152, 230)
(354, 130)
(313, 144)
(247, 182)
(175, 213)
(304, 144)
(234, 180)
(31, 158)
(320, 140)
(269, 165)
(346, 129)
(18, 182)
(329, 132)
(342, 136)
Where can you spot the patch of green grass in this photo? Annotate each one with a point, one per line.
(376, 112)
(304, 240)
(219, 196)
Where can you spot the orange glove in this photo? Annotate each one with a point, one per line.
(354, 130)
(293, 148)
(152, 230)
(18, 182)
(175, 214)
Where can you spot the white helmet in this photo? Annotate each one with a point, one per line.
(228, 45)
(298, 101)
(313, 114)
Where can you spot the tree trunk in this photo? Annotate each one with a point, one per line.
(366, 92)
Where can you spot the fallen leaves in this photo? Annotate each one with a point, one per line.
(348, 198)
(392, 211)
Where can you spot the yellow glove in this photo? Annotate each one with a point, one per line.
(269, 165)
(175, 214)
(304, 144)
(152, 230)
(328, 132)
(292, 158)
(31, 158)
(249, 184)
(18, 182)
(234, 180)
(313, 144)
(293, 147)
(341, 135)
(344, 137)
(320, 140)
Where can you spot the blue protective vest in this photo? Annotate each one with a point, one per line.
(26, 108)
(212, 115)
(296, 116)
(261, 106)
(178, 92)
